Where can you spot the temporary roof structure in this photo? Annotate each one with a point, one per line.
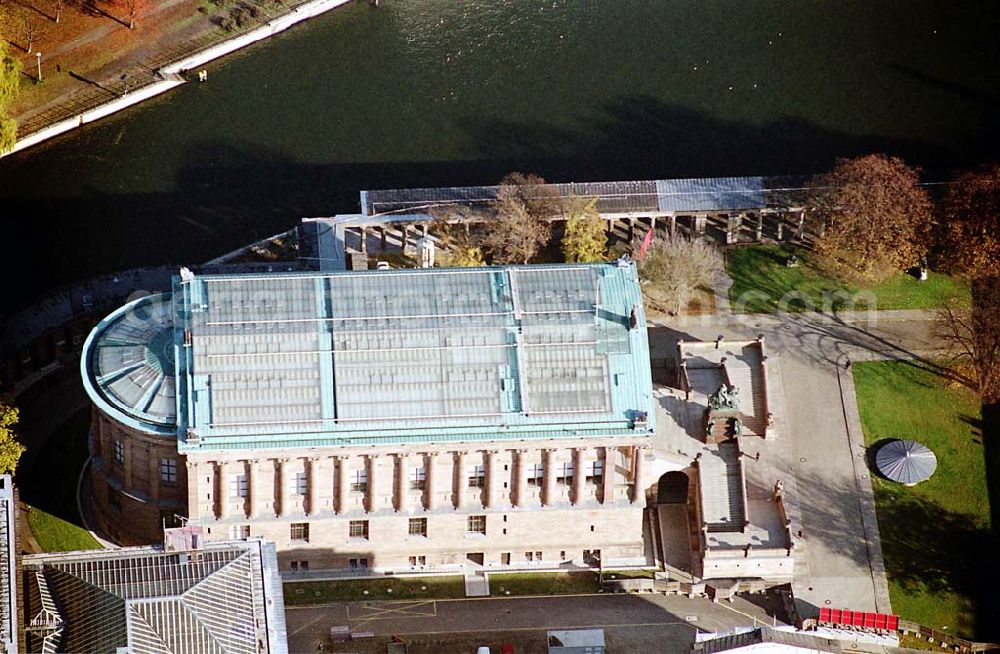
(906, 462)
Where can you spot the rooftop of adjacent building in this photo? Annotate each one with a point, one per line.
(663, 196)
(222, 596)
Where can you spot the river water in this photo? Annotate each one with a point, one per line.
(443, 92)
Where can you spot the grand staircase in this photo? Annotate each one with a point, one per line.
(750, 381)
(722, 489)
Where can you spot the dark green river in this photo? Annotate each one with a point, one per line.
(444, 92)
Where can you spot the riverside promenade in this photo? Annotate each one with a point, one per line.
(161, 73)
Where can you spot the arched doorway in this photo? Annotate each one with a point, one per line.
(672, 488)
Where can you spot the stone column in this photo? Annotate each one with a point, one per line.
(196, 489)
(521, 480)
(493, 476)
(579, 476)
(759, 227)
(549, 497)
(262, 488)
(343, 484)
(313, 486)
(608, 478)
(373, 479)
(461, 483)
(285, 487)
(153, 459)
(430, 481)
(639, 475)
(732, 225)
(224, 501)
(364, 239)
(402, 483)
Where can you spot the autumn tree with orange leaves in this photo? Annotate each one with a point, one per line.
(970, 217)
(875, 217)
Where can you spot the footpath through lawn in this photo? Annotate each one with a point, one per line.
(763, 283)
(936, 535)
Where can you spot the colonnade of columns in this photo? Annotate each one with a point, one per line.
(407, 481)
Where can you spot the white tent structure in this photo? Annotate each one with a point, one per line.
(906, 462)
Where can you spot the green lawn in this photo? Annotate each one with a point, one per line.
(762, 283)
(933, 534)
(352, 590)
(49, 488)
(544, 583)
(414, 588)
(56, 535)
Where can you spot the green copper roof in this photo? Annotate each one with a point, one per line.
(306, 359)
(128, 365)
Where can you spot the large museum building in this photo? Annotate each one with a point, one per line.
(395, 420)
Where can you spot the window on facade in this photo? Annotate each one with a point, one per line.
(239, 532)
(238, 486)
(301, 483)
(169, 519)
(299, 531)
(538, 556)
(168, 470)
(358, 529)
(565, 473)
(505, 558)
(418, 478)
(529, 556)
(596, 472)
(591, 557)
(477, 476)
(476, 524)
(418, 560)
(360, 482)
(357, 564)
(536, 475)
(119, 448)
(418, 526)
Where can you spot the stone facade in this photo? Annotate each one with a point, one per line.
(138, 481)
(431, 507)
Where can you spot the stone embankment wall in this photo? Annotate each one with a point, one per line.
(171, 75)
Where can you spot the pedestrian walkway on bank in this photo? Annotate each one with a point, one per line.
(163, 71)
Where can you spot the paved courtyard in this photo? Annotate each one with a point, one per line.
(838, 560)
(640, 624)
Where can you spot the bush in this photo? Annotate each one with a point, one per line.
(679, 267)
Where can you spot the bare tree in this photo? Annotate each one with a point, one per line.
(541, 199)
(134, 8)
(876, 219)
(30, 32)
(59, 4)
(515, 235)
(679, 267)
(972, 336)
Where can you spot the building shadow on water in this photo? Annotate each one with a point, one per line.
(228, 193)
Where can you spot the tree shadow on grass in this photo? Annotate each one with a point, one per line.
(988, 606)
(50, 483)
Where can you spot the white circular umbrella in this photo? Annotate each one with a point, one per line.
(906, 462)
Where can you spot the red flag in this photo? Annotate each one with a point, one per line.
(645, 244)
